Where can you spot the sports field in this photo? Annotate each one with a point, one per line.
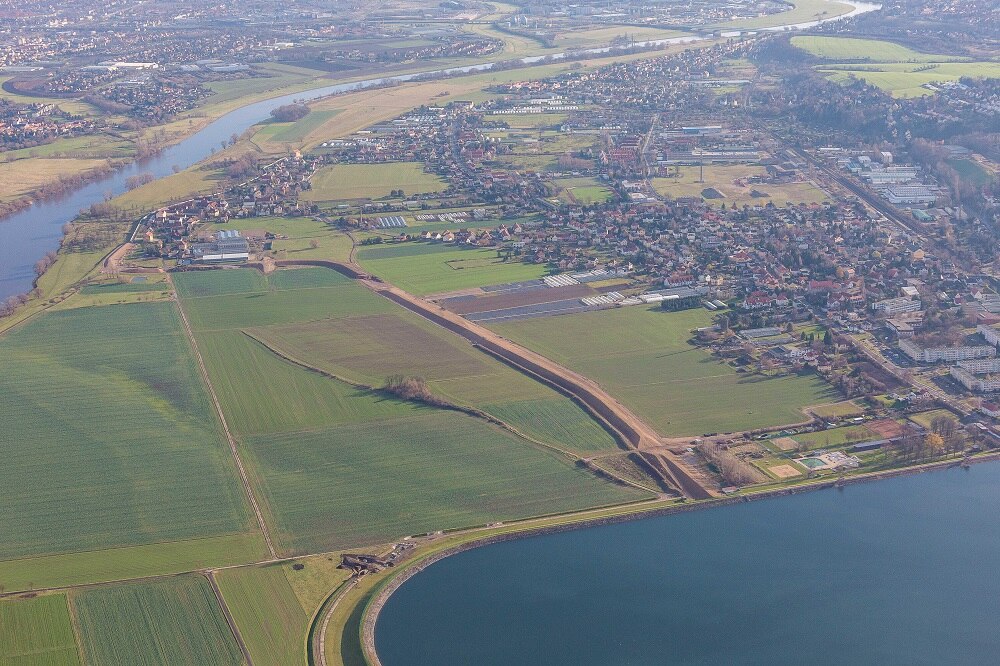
(371, 181)
(170, 622)
(110, 439)
(583, 191)
(842, 49)
(339, 466)
(425, 268)
(642, 357)
(37, 631)
(730, 181)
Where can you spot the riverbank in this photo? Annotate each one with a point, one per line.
(384, 588)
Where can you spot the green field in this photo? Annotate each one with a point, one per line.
(170, 622)
(110, 439)
(583, 191)
(973, 172)
(294, 131)
(803, 11)
(338, 466)
(822, 439)
(371, 181)
(842, 49)
(641, 355)
(907, 80)
(368, 483)
(271, 620)
(423, 268)
(37, 632)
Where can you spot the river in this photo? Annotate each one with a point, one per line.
(30, 233)
(902, 571)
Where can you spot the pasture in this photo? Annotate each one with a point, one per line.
(293, 132)
(23, 177)
(425, 268)
(37, 631)
(110, 439)
(371, 181)
(845, 49)
(642, 356)
(171, 622)
(367, 483)
(732, 182)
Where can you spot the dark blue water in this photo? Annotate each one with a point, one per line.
(902, 571)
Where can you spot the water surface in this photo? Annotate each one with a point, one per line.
(901, 571)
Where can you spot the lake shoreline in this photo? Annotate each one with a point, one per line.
(387, 588)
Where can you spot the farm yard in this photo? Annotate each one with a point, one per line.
(174, 621)
(327, 458)
(371, 181)
(642, 356)
(111, 442)
(730, 182)
(423, 268)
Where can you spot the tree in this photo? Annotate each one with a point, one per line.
(290, 113)
(934, 444)
(828, 338)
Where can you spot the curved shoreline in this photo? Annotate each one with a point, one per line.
(385, 589)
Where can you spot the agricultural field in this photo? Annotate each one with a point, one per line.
(909, 79)
(371, 181)
(642, 356)
(582, 191)
(37, 632)
(366, 483)
(110, 440)
(424, 268)
(171, 622)
(271, 621)
(730, 181)
(292, 132)
(325, 456)
(845, 49)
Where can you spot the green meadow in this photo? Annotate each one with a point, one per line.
(642, 356)
(37, 632)
(425, 268)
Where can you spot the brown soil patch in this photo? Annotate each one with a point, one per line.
(784, 471)
(785, 443)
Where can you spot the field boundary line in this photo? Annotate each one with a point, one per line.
(229, 435)
(230, 620)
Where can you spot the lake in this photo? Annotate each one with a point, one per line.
(900, 571)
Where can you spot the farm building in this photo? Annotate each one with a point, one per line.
(229, 245)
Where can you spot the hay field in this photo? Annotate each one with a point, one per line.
(338, 466)
(425, 268)
(642, 357)
(21, 178)
(171, 622)
(110, 439)
(37, 631)
(371, 181)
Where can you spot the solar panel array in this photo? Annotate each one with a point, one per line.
(390, 222)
